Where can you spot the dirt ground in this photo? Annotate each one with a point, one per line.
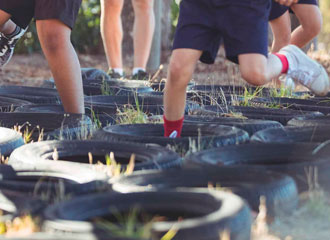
(310, 222)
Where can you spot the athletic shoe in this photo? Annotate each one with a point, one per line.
(288, 82)
(140, 75)
(306, 71)
(114, 75)
(7, 45)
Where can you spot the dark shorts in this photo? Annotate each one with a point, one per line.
(242, 25)
(278, 10)
(22, 11)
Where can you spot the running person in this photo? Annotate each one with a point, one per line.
(243, 26)
(54, 20)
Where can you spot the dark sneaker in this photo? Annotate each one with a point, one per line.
(114, 75)
(7, 45)
(141, 75)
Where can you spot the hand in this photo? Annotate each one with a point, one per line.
(287, 2)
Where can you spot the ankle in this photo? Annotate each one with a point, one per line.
(171, 126)
(284, 61)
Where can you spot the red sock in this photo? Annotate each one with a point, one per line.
(284, 61)
(170, 126)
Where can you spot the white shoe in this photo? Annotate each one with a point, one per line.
(288, 82)
(306, 71)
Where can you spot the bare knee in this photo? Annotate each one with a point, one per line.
(143, 6)
(179, 74)
(282, 41)
(53, 42)
(255, 76)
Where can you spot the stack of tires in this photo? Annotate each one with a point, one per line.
(115, 181)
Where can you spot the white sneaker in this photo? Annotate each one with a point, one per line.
(288, 83)
(306, 71)
(174, 134)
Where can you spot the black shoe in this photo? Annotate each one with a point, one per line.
(7, 45)
(141, 75)
(114, 75)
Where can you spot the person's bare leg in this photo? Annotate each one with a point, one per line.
(55, 41)
(281, 28)
(181, 68)
(112, 31)
(310, 19)
(258, 70)
(144, 27)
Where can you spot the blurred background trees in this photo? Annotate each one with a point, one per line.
(86, 34)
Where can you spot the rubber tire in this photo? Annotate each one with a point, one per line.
(250, 125)
(10, 104)
(289, 158)
(211, 135)
(298, 104)
(9, 141)
(31, 94)
(148, 104)
(213, 212)
(75, 153)
(279, 115)
(292, 134)
(93, 74)
(248, 183)
(54, 125)
(321, 121)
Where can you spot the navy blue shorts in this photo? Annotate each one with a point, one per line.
(242, 25)
(22, 11)
(278, 10)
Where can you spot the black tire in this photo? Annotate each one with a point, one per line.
(248, 183)
(57, 108)
(13, 204)
(321, 121)
(292, 134)
(204, 135)
(31, 94)
(50, 125)
(148, 104)
(9, 141)
(75, 153)
(10, 104)
(115, 87)
(289, 158)
(250, 125)
(160, 86)
(279, 115)
(322, 106)
(51, 186)
(208, 213)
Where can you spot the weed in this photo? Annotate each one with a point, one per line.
(112, 168)
(19, 226)
(135, 225)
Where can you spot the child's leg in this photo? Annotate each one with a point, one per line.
(112, 32)
(55, 41)
(6, 25)
(310, 18)
(258, 70)
(144, 26)
(281, 28)
(181, 68)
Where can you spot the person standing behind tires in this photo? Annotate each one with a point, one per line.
(112, 35)
(54, 20)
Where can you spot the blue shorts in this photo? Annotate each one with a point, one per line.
(278, 10)
(242, 25)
